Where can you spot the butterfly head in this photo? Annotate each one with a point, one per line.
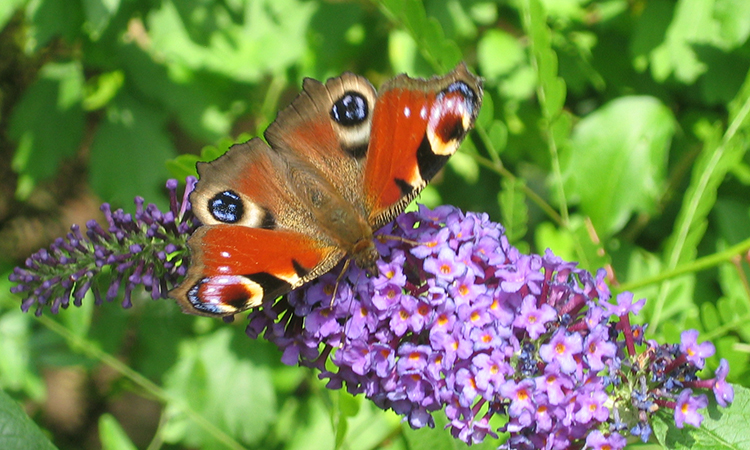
(365, 256)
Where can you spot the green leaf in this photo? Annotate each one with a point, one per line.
(722, 24)
(498, 134)
(220, 382)
(112, 435)
(16, 370)
(722, 428)
(313, 429)
(442, 53)
(98, 14)
(487, 112)
(183, 166)
(617, 160)
(498, 54)
(269, 37)
(734, 20)
(106, 87)
(17, 431)
(7, 9)
(128, 153)
(514, 210)
(204, 104)
(551, 90)
(369, 427)
(52, 18)
(560, 241)
(48, 122)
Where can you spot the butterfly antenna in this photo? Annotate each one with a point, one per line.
(387, 237)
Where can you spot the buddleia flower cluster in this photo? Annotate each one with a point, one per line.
(463, 322)
(458, 320)
(147, 249)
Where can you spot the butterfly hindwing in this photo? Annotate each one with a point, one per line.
(240, 267)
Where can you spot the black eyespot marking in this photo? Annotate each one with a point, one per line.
(226, 207)
(350, 110)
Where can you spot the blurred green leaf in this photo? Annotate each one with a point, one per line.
(53, 18)
(112, 435)
(617, 160)
(222, 384)
(734, 21)
(98, 13)
(48, 122)
(498, 54)
(16, 371)
(17, 431)
(7, 9)
(514, 210)
(551, 89)
(723, 24)
(441, 52)
(269, 37)
(437, 439)
(313, 431)
(184, 165)
(561, 242)
(107, 85)
(205, 104)
(128, 153)
(719, 154)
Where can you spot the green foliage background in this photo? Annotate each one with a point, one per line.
(613, 132)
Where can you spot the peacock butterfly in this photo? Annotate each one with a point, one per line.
(341, 161)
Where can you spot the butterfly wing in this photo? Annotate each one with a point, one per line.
(416, 126)
(259, 239)
(328, 126)
(235, 267)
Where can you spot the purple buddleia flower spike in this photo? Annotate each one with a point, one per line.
(147, 249)
(465, 323)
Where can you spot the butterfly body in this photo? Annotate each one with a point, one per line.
(341, 161)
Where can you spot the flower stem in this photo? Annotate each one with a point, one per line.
(697, 265)
(156, 391)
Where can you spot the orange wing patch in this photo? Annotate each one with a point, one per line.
(398, 131)
(235, 268)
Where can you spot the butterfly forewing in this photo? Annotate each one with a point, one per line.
(417, 126)
(328, 127)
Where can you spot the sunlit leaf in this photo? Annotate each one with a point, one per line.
(617, 160)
